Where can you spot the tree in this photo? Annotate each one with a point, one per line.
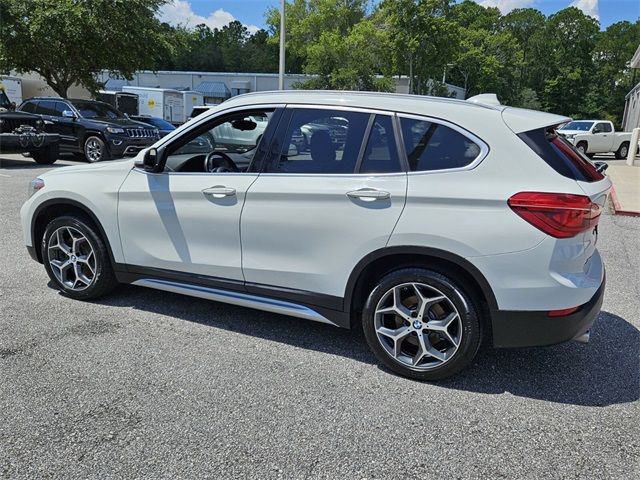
(348, 63)
(422, 38)
(571, 38)
(70, 41)
(612, 79)
(489, 57)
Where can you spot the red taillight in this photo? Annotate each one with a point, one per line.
(560, 215)
(564, 312)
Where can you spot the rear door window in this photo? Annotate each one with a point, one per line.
(46, 107)
(319, 141)
(29, 107)
(434, 146)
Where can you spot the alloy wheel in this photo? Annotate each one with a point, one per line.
(93, 150)
(418, 326)
(72, 258)
(624, 151)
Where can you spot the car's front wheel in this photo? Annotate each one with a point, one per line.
(76, 258)
(421, 324)
(95, 149)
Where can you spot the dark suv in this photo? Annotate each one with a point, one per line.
(92, 129)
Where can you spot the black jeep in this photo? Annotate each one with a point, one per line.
(90, 129)
(24, 133)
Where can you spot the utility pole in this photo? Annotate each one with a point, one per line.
(282, 36)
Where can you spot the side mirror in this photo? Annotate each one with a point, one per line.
(151, 160)
(68, 114)
(12, 106)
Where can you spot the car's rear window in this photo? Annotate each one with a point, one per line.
(560, 155)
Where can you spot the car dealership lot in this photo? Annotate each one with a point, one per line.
(150, 384)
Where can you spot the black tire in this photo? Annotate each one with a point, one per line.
(46, 156)
(95, 149)
(623, 151)
(470, 326)
(103, 280)
(582, 147)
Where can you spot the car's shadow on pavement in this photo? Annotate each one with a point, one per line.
(604, 372)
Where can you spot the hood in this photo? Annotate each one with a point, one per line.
(571, 132)
(123, 165)
(119, 122)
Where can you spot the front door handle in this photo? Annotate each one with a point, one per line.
(369, 194)
(219, 191)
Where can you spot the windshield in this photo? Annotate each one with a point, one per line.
(156, 122)
(4, 100)
(97, 110)
(581, 126)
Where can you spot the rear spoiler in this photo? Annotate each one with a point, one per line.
(521, 120)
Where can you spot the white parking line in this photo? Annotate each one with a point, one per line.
(3, 175)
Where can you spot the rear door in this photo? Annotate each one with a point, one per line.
(313, 214)
(52, 121)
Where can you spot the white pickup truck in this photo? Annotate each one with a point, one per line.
(596, 136)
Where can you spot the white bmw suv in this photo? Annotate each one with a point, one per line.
(435, 224)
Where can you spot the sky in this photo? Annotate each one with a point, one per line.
(217, 13)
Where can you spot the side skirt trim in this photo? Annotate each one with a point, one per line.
(236, 298)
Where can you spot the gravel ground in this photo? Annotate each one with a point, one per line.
(156, 385)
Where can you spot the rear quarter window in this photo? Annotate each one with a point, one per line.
(434, 146)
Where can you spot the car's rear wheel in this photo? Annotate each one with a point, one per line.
(76, 258)
(623, 151)
(421, 324)
(95, 149)
(46, 156)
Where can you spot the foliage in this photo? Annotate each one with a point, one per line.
(69, 41)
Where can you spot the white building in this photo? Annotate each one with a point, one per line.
(631, 117)
(218, 86)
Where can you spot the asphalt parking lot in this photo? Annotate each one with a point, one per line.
(147, 384)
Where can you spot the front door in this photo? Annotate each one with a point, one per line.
(186, 219)
(316, 210)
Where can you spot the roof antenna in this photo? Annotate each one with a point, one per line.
(485, 99)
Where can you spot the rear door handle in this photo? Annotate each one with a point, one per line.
(220, 191)
(369, 194)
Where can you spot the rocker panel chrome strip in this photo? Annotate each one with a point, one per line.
(236, 298)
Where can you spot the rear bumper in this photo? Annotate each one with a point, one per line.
(536, 329)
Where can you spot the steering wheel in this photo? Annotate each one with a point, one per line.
(219, 162)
